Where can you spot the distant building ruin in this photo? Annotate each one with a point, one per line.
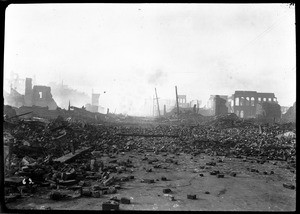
(245, 103)
(169, 103)
(220, 106)
(14, 98)
(94, 106)
(37, 95)
(290, 115)
(182, 101)
(216, 106)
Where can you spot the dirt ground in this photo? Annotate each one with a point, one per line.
(247, 191)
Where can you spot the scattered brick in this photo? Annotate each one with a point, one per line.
(193, 197)
(96, 194)
(289, 186)
(110, 205)
(125, 200)
(220, 175)
(167, 191)
(214, 172)
(86, 192)
(149, 181)
(233, 174)
(163, 178)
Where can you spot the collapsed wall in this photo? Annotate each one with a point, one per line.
(290, 115)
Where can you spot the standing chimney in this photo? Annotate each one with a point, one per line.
(177, 100)
(28, 92)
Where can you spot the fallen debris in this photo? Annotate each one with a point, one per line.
(289, 186)
(166, 191)
(193, 197)
(125, 200)
(91, 160)
(110, 205)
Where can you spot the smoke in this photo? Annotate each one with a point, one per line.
(157, 78)
(62, 94)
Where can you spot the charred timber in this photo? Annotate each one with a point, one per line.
(20, 115)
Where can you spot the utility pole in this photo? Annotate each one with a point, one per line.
(177, 100)
(153, 105)
(157, 103)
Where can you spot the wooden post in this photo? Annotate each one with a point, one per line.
(153, 106)
(157, 103)
(177, 100)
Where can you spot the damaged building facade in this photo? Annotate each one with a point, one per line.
(182, 101)
(247, 103)
(36, 95)
(94, 107)
(220, 106)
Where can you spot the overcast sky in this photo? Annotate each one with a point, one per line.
(129, 49)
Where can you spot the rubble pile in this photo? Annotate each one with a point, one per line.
(230, 120)
(66, 157)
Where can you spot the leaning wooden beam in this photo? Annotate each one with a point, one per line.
(145, 135)
(70, 156)
(20, 115)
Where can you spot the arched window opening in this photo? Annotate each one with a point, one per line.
(242, 101)
(247, 101)
(237, 101)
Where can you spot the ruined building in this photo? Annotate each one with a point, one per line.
(94, 107)
(290, 115)
(38, 95)
(182, 101)
(268, 111)
(34, 96)
(220, 106)
(16, 82)
(14, 98)
(246, 104)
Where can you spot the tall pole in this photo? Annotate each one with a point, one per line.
(177, 100)
(157, 103)
(153, 105)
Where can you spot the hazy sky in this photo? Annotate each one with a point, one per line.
(129, 49)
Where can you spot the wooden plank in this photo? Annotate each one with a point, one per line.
(70, 156)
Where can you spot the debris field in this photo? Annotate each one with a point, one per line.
(224, 164)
